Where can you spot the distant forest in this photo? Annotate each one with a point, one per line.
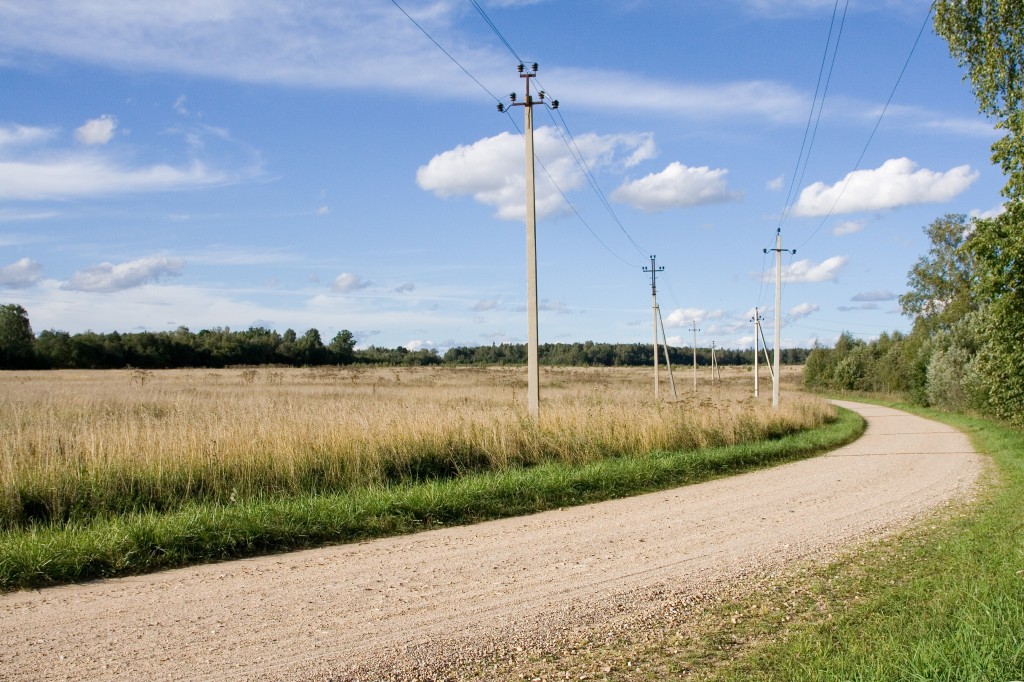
(221, 347)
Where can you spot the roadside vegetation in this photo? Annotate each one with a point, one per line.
(118, 472)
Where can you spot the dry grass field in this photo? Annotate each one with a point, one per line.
(74, 444)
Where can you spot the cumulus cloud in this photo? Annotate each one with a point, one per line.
(491, 170)
(877, 295)
(803, 310)
(684, 316)
(775, 184)
(21, 274)
(806, 271)
(348, 281)
(108, 277)
(897, 182)
(849, 227)
(97, 131)
(677, 186)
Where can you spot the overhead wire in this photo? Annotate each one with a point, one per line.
(860, 158)
(487, 19)
(570, 143)
(497, 99)
(810, 129)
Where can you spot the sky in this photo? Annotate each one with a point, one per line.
(343, 165)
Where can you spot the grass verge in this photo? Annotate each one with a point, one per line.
(943, 602)
(140, 543)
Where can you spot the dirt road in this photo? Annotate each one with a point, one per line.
(430, 605)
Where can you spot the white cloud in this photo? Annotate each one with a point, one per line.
(21, 274)
(491, 170)
(685, 316)
(179, 105)
(90, 175)
(806, 271)
(417, 344)
(340, 44)
(677, 186)
(849, 227)
(895, 183)
(775, 184)
(23, 135)
(803, 310)
(347, 281)
(97, 131)
(991, 213)
(107, 277)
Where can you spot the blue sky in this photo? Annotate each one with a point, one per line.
(310, 163)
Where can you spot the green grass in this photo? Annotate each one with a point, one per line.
(118, 545)
(943, 602)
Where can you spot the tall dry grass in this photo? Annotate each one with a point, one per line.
(74, 444)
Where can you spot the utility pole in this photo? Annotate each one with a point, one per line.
(532, 354)
(694, 330)
(776, 379)
(654, 270)
(757, 344)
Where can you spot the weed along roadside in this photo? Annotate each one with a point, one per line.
(190, 467)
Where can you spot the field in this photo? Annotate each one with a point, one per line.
(81, 444)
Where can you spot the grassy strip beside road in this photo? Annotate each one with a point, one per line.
(943, 602)
(140, 543)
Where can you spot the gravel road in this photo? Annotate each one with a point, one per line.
(435, 604)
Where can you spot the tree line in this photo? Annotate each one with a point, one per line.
(966, 295)
(221, 347)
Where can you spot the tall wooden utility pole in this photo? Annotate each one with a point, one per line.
(654, 270)
(776, 379)
(532, 353)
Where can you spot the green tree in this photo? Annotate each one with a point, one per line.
(341, 347)
(940, 283)
(987, 37)
(17, 344)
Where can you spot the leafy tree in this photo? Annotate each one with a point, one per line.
(987, 37)
(940, 283)
(341, 347)
(17, 344)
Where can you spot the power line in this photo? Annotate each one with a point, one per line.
(483, 14)
(498, 99)
(874, 130)
(588, 173)
(810, 115)
(573, 148)
(447, 54)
